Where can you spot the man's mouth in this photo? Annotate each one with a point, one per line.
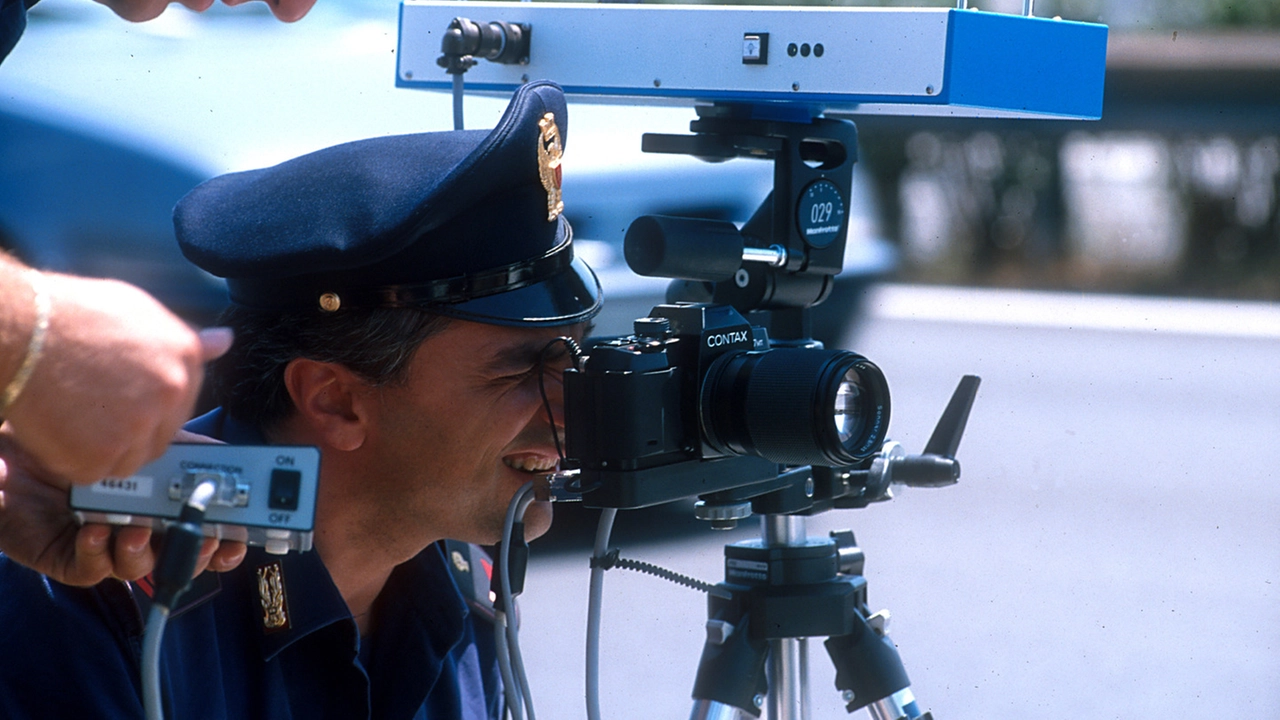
(530, 464)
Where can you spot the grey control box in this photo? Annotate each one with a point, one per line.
(265, 494)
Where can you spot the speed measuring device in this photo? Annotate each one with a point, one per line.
(265, 494)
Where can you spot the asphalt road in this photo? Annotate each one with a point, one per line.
(1111, 550)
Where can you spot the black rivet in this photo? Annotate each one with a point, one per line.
(804, 50)
(792, 49)
(818, 50)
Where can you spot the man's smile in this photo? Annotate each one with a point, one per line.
(530, 463)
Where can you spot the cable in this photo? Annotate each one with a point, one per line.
(513, 633)
(151, 637)
(174, 569)
(457, 101)
(509, 690)
(516, 688)
(575, 352)
(611, 560)
(594, 603)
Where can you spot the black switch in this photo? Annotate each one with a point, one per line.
(285, 485)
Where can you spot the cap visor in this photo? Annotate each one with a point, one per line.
(570, 297)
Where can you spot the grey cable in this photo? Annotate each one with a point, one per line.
(151, 697)
(513, 632)
(594, 602)
(457, 101)
(515, 512)
(509, 690)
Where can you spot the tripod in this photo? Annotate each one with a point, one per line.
(784, 589)
(787, 587)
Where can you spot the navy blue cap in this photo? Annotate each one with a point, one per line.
(466, 223)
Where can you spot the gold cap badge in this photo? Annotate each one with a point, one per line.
(549, 153)
(330, 302)
(275, 614)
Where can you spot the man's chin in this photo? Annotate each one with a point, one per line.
(537, 519)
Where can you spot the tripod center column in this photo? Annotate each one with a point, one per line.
(788, 666)
(782, 530)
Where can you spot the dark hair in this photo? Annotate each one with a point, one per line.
(376, 344)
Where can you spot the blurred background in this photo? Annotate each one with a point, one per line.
(1113, 547)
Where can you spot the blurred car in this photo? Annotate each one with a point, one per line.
(105, 124)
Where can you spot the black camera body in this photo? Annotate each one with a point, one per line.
(697, 401)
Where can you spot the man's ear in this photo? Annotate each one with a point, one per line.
(330, 401)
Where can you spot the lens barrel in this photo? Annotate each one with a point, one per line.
(795, 406)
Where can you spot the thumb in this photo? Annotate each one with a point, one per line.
(214, 342)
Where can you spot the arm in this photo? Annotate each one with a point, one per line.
(115, 376)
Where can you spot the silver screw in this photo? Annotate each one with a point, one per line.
(657, 82)
(408, 74)
(741, 278)
(795, 86)
(808, 488)
(758, 700)
(847, 696)
(928, 90)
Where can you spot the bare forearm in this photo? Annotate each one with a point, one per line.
(17, 316)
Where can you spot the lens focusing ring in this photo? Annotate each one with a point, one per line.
(780, 404)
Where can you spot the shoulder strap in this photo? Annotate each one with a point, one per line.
(472, 569)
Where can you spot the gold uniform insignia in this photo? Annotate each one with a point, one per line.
(549, 153)
(275, 614)
(460, 562)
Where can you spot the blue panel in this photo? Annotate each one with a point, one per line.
(1035, 65)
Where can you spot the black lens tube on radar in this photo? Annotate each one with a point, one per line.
(796, 406)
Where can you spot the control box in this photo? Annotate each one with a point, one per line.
(862, 60)
(265, 495)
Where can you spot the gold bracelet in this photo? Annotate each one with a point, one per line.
(35, 348)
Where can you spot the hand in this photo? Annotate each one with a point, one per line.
(38, 529)
(118, 376)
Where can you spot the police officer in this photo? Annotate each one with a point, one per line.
(396, 301)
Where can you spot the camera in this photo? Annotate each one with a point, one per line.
(723, 387)
(698, 401)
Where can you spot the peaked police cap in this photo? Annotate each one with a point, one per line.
(464, 223)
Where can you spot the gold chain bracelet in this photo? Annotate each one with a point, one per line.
(35, 348)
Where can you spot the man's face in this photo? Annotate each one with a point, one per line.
(143, 10)
(451, 445)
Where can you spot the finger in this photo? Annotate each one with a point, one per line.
(207, 549)
(186, 436)
(132, 459)
(133, 555)
(215, 342)
(228, 556)
(91, 563)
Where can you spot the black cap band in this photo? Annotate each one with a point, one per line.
(446, 291)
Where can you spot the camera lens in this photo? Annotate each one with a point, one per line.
(848, 413)
(795, 406)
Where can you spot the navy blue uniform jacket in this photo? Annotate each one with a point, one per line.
(74, 652)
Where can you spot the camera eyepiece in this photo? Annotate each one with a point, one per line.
(795, 406)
